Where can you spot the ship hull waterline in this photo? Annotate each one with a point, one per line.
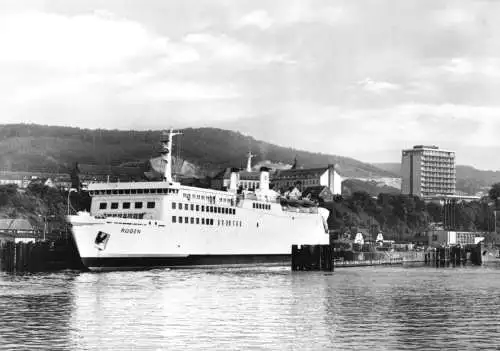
(191, 261)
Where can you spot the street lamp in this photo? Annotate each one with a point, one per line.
(44, 217)
(69, 193)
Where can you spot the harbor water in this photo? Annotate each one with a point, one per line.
(254, 308)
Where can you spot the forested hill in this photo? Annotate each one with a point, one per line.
(31, 147)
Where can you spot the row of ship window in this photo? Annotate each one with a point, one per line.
(126, 205)
(261, 206)
(203, 208)
(134, 191)
(206, 221)
(210, 198)
(189, 197)
(124, 215)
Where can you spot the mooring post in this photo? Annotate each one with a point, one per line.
(294, 257)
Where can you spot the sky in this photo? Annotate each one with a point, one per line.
(363, 79)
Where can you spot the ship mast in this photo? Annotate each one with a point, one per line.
(249, 161)
(166, 153)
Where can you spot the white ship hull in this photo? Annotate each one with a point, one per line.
(133, 243)
(162, 223)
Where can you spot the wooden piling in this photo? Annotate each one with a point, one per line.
(38, 256)
(312, 258)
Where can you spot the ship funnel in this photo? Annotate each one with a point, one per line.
(234, 179)
(264, 178)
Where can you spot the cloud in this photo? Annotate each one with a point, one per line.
(295, 13)
(377, 134)
(454, 16)
(48, 56)
(307, 12)
(70, 87)
(459, 66)
(181, 91)
(223, 49)
(362, 79)
(377, 87)
(257, 18)
(79, 42)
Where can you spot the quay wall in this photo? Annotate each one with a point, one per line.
(39, 256)
(403, 256)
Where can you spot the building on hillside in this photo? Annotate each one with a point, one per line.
(24, 179)
(428, 171)
(63, 184)
(318, 193)
(19, 179)
(43, 181)
(18, 229)
(437, 238)
(446, 199)
(221, 180)
(247, 179)
(328, 176)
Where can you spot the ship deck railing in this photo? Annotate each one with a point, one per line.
(300, 209)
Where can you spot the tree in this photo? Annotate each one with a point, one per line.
(494, 193)
(7, 193)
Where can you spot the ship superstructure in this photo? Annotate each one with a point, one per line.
(163, 223)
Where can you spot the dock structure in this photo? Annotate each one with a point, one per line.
(376, 262)
(39, 256)
(450, 255)
(325, 258)
(312, 258)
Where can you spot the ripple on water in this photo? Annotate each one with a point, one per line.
(381, 308)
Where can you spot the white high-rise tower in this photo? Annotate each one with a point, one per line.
(428, 171)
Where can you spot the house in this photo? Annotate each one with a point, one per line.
(43, 181)
(221, 180)
(304, 178)
(318, 193)
(246, 180)
(21, 179)
(17, 230)
(249, 180)
(437, 238)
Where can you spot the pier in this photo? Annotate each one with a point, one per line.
(443, 255)
(41, 256)
(361, 263)
(312, 258)
(325, 258)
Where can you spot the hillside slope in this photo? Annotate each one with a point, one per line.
(391, 167)
(33, 147)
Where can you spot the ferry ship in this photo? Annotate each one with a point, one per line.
(136, 225)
